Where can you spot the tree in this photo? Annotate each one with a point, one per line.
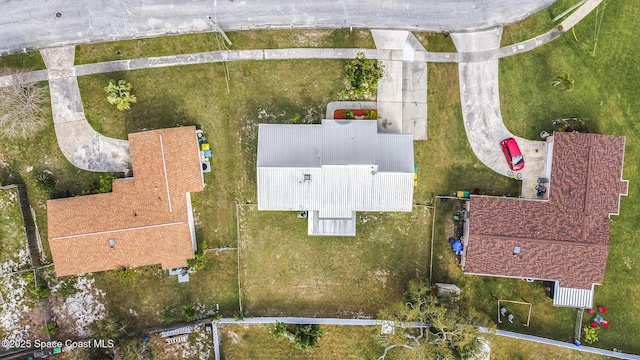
(563, 81)
(119, 94)
(22, 107)
(307, 335)
(128, 340)
(446, 332)
(361, 77)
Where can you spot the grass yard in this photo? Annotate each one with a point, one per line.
(142, 294)
(504, 348)
(241, 40)
(605, 95)
(24, 62)
(483, 292)
(286, 272)
(14, 252)
(337, 342)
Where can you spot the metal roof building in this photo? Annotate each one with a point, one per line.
(332, 170)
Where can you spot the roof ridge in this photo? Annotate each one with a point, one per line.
(547, 241)
(588, 180)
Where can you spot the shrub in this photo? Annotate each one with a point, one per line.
(307, 335)
(361, 77)
(564, 82)
(166, 316)
(50, 328)
(44, 182)
(590, 335)
(119, 94)
(198, 263)
(279, 329)
(189, 312)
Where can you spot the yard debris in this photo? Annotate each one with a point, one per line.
(82, 308)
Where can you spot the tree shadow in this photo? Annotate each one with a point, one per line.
(157, 112)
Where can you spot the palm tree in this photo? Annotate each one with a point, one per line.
(119, 94)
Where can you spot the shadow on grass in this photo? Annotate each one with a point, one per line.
(157, 112)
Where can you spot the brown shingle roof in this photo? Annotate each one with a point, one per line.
(565, 238)
(147, 215)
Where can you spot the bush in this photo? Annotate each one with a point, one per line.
(22, 107)
(279, 329)
(361, 77)
(44, 181)
(50, 328)
(307, 335)
(119, 94)
(38, 288)
(189, 312)
(167, 316)
(590, 335)
(198, 263)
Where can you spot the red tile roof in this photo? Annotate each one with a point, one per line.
(147, 215)
(564, 238)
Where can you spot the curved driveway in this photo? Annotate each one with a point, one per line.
(483, 123)
(34, 25)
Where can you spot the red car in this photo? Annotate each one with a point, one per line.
(512, 153)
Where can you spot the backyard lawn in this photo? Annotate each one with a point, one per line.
(337, 342)
(285, 272)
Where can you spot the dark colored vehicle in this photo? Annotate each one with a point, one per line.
(512, 153)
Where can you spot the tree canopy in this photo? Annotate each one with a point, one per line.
(428, 327)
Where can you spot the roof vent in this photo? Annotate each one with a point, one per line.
(307, 177)
(112, 243)
(516, 250)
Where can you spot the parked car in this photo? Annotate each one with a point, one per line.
(513, 154)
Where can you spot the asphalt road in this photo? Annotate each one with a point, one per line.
(40, 24)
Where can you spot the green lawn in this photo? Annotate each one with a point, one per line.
(149, 290)
(286, 272)
(337, 342)
(241, 40)
(14, 253)
(503, 348)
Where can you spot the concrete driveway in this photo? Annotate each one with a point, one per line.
(79, 142)
(40, 24)
(483, 122)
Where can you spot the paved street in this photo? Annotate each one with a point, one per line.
(40, 24)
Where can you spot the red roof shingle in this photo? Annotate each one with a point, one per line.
(147, 215)
(564, 238)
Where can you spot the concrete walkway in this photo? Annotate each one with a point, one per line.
(41, 24)
(402, 91)
(79, 142)
(483, 122)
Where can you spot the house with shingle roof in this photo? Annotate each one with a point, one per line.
(332, 170)
(563, 238)
(147, 219)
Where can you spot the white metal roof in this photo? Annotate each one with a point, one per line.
(570, 297)
(349, 167)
